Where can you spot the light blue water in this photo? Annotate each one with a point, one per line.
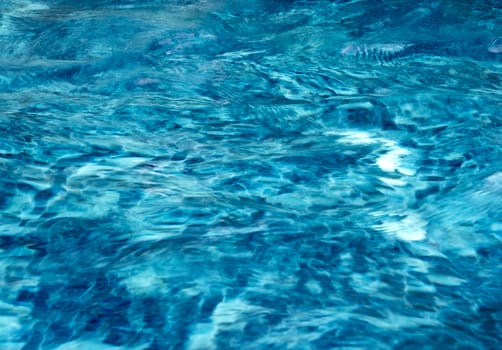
(250, 174)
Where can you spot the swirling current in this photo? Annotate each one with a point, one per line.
(250, 174)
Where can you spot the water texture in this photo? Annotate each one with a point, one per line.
(250, 174)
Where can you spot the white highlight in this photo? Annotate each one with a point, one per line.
(411, 228)
(392, 161)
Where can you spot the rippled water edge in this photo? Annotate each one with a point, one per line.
(200, 175)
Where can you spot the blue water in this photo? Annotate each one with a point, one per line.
(250, 174)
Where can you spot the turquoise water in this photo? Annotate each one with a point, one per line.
(250, 174)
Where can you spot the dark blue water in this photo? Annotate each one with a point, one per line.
(250, 174)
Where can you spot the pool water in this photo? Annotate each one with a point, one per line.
(250, 174)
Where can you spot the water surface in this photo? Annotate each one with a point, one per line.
(250, 174)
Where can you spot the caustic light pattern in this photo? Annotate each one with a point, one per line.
(250, 174)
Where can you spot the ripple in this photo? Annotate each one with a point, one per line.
(261, 174)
